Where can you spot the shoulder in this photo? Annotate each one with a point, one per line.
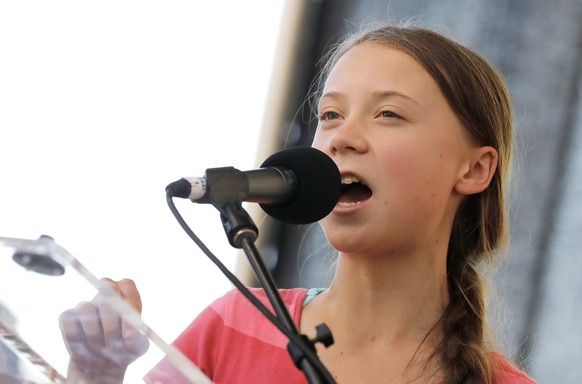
(508, 373)
(234, 302)
(288, 295)
(238, 314)
(236, 343)
(233, 320)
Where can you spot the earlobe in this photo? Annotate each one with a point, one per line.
(482, 167)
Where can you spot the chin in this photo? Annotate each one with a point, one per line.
(348, 244)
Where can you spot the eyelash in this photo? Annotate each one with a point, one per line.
(325, 116)
(393, 115)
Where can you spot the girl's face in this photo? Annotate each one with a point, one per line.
(385, 123)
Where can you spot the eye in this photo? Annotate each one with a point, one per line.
(329, 115)
(390, 115)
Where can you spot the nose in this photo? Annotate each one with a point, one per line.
(348, 137)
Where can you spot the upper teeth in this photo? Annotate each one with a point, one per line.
(350, 180)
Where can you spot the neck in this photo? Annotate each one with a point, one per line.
(401, 296)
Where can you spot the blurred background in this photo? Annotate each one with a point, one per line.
(103, 104)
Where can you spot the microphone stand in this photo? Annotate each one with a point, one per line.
(225, 189)
(242, 233)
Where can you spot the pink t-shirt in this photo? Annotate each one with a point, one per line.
(233, 343)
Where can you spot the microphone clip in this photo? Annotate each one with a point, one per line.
(224, 185)
(226, 189)
(238, 225)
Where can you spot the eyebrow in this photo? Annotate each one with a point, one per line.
(382, 94)
(377, 94)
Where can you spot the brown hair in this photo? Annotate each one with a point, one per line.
(478, 96)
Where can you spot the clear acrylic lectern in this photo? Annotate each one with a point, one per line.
(39, 280)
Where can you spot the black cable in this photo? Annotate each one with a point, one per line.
(293, 337)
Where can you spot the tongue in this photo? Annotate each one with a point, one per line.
(354, 193)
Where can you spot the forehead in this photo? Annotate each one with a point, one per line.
(382, 66)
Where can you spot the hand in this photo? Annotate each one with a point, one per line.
(101, 344)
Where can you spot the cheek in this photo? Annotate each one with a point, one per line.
(319, 142)
(417, 175)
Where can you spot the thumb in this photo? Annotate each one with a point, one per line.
(128, 291)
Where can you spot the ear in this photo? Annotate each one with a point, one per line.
(481, 168)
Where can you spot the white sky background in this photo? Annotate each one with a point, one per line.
(102, 104)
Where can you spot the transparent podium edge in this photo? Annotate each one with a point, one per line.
(60, 255)
(21, 348)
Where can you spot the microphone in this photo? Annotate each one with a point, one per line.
(299, 185)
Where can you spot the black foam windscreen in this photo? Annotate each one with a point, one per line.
(319, 185)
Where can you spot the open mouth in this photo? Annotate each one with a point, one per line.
(353, 191)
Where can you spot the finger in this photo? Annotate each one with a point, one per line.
(125, 288)
(81, 354)
(129, 292)
(111, 324)
(116, 329)
(72, 331)
(91, 325)
(136, 343)
(74, 339)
